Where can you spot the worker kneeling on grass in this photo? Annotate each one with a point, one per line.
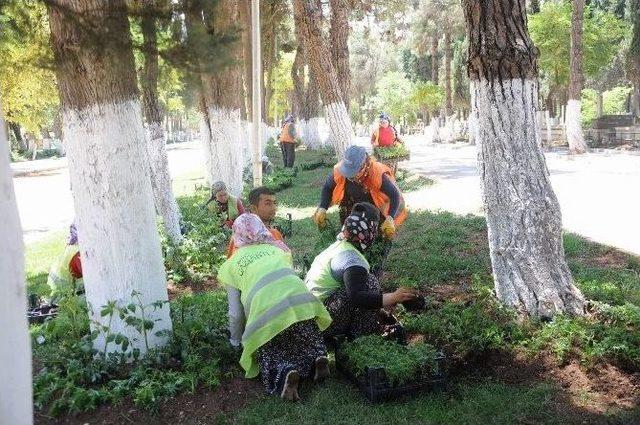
(340, 277)
(360, 178)
(227, 207)
(65, 276)
(271, 312)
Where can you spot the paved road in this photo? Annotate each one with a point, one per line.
(599, 193)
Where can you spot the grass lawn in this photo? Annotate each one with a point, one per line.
(503, 370)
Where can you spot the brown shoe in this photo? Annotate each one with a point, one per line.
(322, 369)
(290, 387)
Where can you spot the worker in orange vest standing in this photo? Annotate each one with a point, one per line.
(360, 178)
(287, 141)
(385, 135)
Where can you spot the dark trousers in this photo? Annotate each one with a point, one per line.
(288, 154)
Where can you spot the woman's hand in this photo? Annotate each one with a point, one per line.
(400, 295)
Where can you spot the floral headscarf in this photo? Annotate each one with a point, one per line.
(361, 226)
(73, 235)
(248, 229)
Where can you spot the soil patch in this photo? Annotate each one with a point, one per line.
(189, 288)
(204, 406)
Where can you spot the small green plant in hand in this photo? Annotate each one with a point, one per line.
(397, 151)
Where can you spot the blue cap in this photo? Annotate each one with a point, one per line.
(354, 158)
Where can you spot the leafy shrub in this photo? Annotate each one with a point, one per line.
(398, 150)
(473, 327)
(408, 182)
(401, 363)
(74, 377)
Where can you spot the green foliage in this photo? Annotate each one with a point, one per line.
(27, 83)
(399, 150)
(204, 244)
(400, 363)
(427, 96)
(409, 182)
(282, 86)
(393, 95)
(452, 249)
(551, 32)
(614, 103)
(73, 377)
(478, 325)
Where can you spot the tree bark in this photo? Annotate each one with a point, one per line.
(633, 56)
(244, 12)
(523, 214)
(309, 16)
(435, 65)
(16, 402)
(219, 98)
(165, 201)
(573, 123)
(448, 55)
(339, 37)
(105, 139)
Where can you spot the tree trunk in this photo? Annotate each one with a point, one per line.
(15, 128)
(573, 123)
(244, 12)
(16, 402)
(309, 16)
(448, 55)
(298, 77)
(339, 37)
(599, 104)
(219, 98)
(523, 213)
(633, 57)
(165, 201)
(434, 59)
(105, 140)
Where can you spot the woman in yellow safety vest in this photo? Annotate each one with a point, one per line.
(340, 276)
(224, 205)
(271, 312)
(65, 276)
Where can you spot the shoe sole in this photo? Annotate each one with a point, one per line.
(290, 390)
(322, 369)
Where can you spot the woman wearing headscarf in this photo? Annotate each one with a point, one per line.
(385, 135)
(271, 312)
(224, 205)
(340, 277)
(65, 277)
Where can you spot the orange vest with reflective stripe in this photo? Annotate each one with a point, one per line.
(285, 137)
(374, 184)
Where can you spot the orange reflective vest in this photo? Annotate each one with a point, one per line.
(374, 184)
(285, 137)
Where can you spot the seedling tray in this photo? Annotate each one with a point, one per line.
(377, 388)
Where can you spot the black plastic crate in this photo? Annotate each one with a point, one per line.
(42, 313)
(375, 385)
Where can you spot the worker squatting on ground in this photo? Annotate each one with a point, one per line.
(271, 312)
(224, 205)
(263, 203)
(65, 276)
(287, 141)
(340, 276)
(360, 178)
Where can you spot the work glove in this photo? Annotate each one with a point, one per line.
(320, 217)
(388, 227)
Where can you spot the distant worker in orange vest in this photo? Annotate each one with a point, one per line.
(385, 135)
(360, 178)
(287, 141)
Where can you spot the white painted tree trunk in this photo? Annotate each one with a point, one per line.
(165, 201)
(523, 213)
(225, 151)
(119, 241)
(310, 130)
(573, 124)
(471, 128)
(16, 402)
(339, 126)
(547, 120)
